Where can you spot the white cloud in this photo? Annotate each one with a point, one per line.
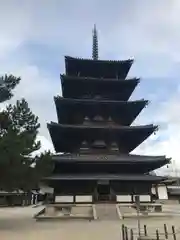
(167, 113)
(134, 27)
(39, 91)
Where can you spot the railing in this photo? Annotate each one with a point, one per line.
(151, 234)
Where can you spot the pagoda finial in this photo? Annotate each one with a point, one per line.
(95, 44)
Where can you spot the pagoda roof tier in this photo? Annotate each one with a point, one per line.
(110, 177)
(82, 87)
(112, 158)
(91, 163)
(69, 138)
(72, 111)
(97, 68)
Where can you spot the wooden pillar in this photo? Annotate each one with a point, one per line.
(74, 198)
(95, 195)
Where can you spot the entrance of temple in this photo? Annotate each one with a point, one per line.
(103, 191)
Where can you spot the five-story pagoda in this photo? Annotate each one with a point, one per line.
(95, 135)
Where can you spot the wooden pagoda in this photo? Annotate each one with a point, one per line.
(94, 137)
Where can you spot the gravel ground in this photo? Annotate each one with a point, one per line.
(18, 224)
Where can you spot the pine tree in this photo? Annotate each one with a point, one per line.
(18, 132)
(7, 84)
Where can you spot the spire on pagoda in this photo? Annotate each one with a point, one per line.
(95, 44)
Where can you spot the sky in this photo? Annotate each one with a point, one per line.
(35, 36)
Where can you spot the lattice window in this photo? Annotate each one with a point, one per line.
(97, 97)
(85, 145)
(99, 144)
(114, 146)
(98, 118)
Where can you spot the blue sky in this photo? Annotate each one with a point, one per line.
(35, 36)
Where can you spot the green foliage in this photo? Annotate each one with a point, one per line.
(25, 124)
(18, 132)
(43, 167)
(7, 84)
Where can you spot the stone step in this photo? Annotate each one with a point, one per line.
(127, 209)
(82, 210)
(106, 212)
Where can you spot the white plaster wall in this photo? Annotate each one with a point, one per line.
(153, 190)
(162, 192)
(84, 198)
(145, 198)
(123, 198)
(67, 199)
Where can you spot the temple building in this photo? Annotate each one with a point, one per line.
(94, 136)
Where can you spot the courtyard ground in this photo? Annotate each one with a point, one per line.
(18, 224)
